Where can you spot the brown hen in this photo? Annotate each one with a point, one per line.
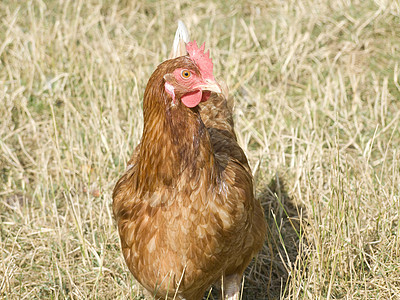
(185, 207)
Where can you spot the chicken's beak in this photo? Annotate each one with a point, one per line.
(210, 85)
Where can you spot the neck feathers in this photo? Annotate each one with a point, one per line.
(175, 143)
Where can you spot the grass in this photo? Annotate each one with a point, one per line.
(317, 111)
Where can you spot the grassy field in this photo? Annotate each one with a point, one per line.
(317, 110)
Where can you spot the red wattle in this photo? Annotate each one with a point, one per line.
(192, 99)
(206, 95)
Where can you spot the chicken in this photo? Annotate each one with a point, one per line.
(186, 213)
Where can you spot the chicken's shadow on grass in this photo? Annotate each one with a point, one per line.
(267, 277)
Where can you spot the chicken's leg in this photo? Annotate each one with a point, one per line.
(231, 287)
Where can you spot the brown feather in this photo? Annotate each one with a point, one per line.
(185, 206)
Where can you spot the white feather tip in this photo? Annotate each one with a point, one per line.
(180, 40)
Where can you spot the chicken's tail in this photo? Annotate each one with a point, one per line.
(181, 39)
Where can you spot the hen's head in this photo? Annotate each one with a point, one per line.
(192, 80)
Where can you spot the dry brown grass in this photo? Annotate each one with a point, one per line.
(317, 95)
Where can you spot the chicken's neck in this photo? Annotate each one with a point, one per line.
(175, 147)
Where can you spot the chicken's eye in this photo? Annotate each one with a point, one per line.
(186, 74)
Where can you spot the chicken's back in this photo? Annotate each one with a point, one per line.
(216, 114)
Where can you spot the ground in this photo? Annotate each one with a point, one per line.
(317, 111)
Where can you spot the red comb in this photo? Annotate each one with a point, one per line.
(201, 59)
